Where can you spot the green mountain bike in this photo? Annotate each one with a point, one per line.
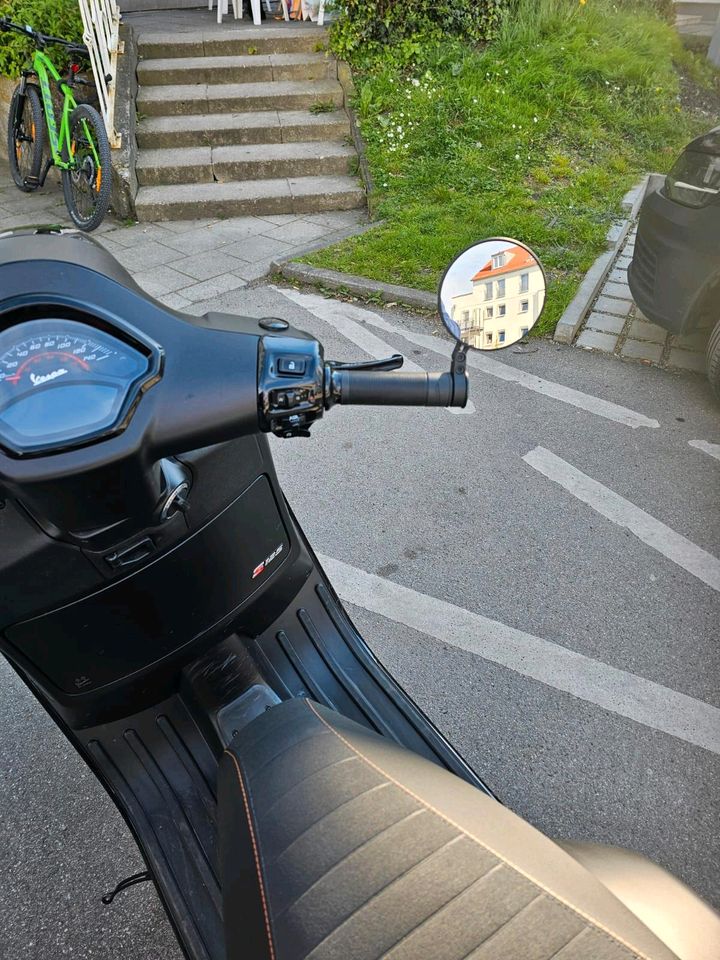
(78, 146)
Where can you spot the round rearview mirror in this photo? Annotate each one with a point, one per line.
(492, 294)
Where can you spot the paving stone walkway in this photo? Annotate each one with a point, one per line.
(615, 324)
(185, 263)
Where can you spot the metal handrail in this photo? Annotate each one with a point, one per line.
(101, 35)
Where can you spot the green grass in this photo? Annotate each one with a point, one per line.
(537, 136)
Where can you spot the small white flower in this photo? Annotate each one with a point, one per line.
(517, 156)
(513, 126)
(415, 82)
(535, 119)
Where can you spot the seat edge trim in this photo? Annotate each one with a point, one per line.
(256, 854)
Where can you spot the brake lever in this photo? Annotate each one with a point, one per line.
(388, 363)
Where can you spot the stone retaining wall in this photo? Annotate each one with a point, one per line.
(6, 91)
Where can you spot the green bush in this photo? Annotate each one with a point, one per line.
(365, 27)
(58, 18)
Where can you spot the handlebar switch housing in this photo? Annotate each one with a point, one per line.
(291, 372)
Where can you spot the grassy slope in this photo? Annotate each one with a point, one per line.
(537, 136)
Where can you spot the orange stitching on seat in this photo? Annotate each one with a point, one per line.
(595, 923)
(256, 854)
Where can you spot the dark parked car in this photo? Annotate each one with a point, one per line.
(674, 275)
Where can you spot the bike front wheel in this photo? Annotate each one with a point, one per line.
(26, 138)
(88, 183)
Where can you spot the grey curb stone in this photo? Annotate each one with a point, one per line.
(360, 286)
(621, 290)
(605, 323)
(643, 330)
(592, 340)
(575, 312)
(640, 350)
(687, 360)
(619, 308)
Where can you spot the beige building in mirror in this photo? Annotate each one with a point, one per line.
(507, 296)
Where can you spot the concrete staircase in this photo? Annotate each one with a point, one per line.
(250, 122)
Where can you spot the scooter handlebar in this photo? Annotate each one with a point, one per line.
(379, 388)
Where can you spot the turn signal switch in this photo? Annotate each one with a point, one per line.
(290, 384)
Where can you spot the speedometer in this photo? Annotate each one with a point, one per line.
(63, 382)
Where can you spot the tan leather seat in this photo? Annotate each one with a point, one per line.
(337, 844)
(674, 912)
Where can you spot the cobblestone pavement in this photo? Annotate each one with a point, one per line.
(615, 324)
(184, 263)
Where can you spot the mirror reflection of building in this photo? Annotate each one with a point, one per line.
(506, 299)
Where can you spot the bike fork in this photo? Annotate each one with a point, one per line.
(19, 104)
(34, 182)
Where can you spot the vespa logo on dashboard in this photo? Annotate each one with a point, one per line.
(262, 567)
(36, 379)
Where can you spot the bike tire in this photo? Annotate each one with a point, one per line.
(88, 180)
(712, 359)
(28, 165)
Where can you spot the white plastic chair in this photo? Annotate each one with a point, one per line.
(305, 11)
(223, 8)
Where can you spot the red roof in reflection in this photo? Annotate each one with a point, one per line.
(515, 259)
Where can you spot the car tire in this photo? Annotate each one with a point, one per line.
(712, 359)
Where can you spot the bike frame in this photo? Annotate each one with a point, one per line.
(60, 141)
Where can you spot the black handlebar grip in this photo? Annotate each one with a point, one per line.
(379, 388)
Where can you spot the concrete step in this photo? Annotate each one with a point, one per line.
(234, 69)
(697, 17)
(283, 38)
(190, 201)
(220, 129)
(260, 161)
(203, 98)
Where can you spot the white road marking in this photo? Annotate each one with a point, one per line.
(606, 502)
(480, 361)
(553, 664)
(339, 316)
(713, 449)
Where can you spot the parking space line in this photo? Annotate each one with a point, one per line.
(553, 664)
(494, 368)
(713, 449)
(611, 505)
(336, 314)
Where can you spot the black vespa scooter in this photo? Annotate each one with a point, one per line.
(161, 602)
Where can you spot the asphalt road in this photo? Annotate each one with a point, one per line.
(445, 505)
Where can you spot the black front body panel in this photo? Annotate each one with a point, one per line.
(128, 626)
(136, 631)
